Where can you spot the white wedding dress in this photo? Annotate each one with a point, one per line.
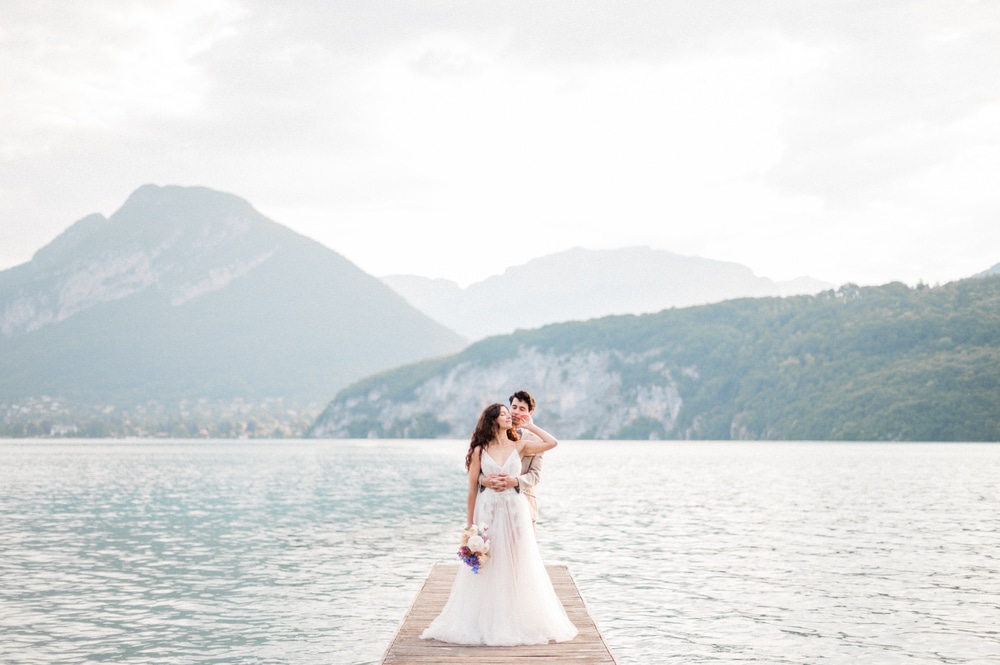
(511, 600)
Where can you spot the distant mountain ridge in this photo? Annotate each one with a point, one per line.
(186, 292)
(581, 284)
(995, 270)
(859, 363)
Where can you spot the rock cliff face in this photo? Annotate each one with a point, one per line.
(89, 281)
(152, 244)
(585, 395)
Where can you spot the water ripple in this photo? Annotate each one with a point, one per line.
(311, 552)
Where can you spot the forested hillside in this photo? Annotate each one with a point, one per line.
(859, 363)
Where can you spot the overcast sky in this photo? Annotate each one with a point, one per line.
(846, 140)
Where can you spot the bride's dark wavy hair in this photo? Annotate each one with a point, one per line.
(486, 429)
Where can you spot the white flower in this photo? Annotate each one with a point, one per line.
(476, 544)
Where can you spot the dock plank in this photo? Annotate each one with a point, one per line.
(406, 647)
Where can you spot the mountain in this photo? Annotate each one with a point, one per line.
(188, 293)
(859, 363)
(581, 284)
(995, 270)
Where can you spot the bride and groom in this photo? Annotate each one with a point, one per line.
(509, 600)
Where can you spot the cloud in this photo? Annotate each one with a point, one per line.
(638, 151)
(891, 102)
(766, 133)
(97, 66)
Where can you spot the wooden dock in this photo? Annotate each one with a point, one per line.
(406, 648)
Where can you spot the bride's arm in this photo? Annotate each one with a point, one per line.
(545, 440)
(470, 508)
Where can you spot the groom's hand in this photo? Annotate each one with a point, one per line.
(498, 481)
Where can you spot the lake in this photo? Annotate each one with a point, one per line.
(312, 551)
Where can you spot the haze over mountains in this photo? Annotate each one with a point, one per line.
(581, 284)
(188, 293)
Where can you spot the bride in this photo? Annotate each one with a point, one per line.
(510, 601)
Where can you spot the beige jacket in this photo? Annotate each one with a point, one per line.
(531, 471)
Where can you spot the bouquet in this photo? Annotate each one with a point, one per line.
(475, 545)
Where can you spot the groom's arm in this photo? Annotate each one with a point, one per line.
(532, 474)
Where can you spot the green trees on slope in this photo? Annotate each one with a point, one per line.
(859, 363)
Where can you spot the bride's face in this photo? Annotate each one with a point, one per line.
(503, 420)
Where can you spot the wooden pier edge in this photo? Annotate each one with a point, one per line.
(406, 648)
(583, 601)
(406, 617)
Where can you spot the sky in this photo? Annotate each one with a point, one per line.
(848, 140)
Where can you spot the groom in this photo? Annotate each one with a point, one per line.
(522, 406)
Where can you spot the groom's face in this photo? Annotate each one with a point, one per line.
(518, 411)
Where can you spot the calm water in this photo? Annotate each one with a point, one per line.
(311, 552)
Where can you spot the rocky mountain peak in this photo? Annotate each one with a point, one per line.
(188, 291)
(182, 241)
